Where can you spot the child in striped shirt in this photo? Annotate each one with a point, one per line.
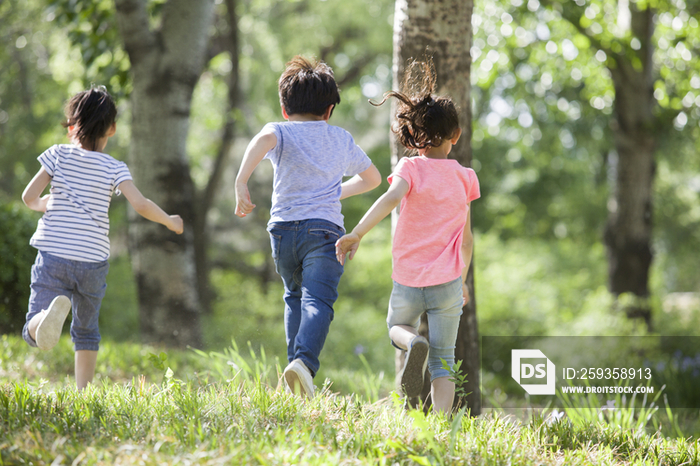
(72, 237)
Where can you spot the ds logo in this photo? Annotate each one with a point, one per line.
(521, 370)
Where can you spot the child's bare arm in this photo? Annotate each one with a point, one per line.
(348, 244)
(149, 209)
(260, 145)
(32, 197)
(467, 249)
(361, 183)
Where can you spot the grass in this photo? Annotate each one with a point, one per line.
(151, 405)
(192, 407)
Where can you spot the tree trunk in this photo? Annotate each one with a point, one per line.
(628, 230)
(442, 29)
(166, 64)
(227, 42)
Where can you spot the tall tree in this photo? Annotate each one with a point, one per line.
(581, 96)
(224, 41)
(628, 47)
(166, 62)
(629, 228)
(442, 29)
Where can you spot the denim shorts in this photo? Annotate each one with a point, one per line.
(443, 305)
(84, 283)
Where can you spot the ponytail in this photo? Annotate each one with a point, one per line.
(92, 112)
(422, 119)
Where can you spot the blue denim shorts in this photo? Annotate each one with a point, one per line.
(443, 305)
(84, 283)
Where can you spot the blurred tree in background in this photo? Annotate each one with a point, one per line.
(586, 100)
(167, 57)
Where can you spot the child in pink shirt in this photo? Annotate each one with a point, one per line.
(432, 245)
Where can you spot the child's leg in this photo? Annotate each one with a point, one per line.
(444, 310)
(402, 335)
(304, 254)
(292, 315)
(405, 308)
(288, 266)
(48, 281)
(91, 285)
(442, 391)
(321, 274)
(85, 362)
(406, 305)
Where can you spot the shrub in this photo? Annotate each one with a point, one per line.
(17, 225)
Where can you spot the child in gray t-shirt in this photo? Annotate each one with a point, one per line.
(310, 159)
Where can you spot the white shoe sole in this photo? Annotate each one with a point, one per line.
(49, 330)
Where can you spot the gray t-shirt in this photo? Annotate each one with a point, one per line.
(310, 160)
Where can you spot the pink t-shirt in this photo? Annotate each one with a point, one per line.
(427, 247)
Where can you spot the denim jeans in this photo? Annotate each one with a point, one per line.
(304, 254)
(443, 304)
(84, 283)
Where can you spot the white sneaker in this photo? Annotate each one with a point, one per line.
(298, 378)
(49, 330)
(414, 368)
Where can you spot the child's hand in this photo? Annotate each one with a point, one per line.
(347, 246)
(243, 204)
(176, 224)
(465, 294)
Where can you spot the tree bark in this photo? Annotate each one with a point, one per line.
(442, 29)
(629, 226)
(166, 63)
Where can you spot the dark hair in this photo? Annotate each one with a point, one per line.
(423, 120)
(307, 87)
(92, 112)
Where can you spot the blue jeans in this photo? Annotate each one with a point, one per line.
(304, 254)
(84, 283)
(443, 304)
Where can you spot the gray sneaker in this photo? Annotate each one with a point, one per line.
(298, 378)
(414, 368)
(49, 330)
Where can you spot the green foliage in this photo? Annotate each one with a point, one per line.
(92, 28)
(458, 378)
(158, 360)
(530, 287)
(677, 215)
(17, 224)
(31, 93)
(539, 147)
(119, 316)
(544, 99)
(243, 312)
(354, 38)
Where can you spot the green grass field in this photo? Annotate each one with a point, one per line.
(188, 407)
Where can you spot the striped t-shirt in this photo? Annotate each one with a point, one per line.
(76, 223)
